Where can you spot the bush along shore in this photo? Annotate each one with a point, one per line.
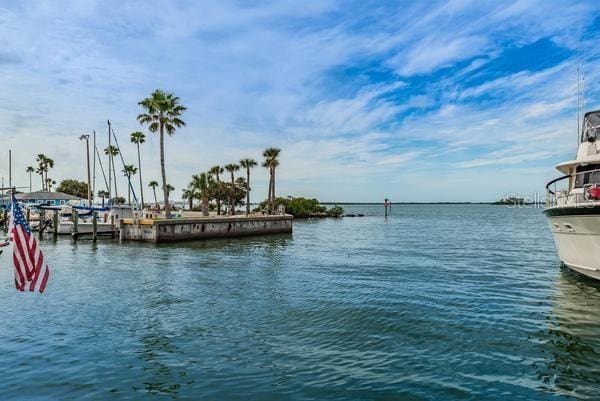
(303, 208)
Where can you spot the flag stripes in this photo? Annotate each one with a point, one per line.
(31, 272)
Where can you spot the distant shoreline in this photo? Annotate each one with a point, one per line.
(419, 203)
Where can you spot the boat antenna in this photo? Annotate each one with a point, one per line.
(579, 87)
(578, 102)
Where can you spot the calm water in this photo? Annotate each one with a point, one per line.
(437, 302)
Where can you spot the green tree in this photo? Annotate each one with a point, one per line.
(248, 164)
(139, 138)
(162, 112)
(170, 188)
(232, 168)
(44, 165)
(153, 184)
(271, 162)
(216, 171)
(103, 194)
(50, 183)
(113, 151)
(118, 200)
(201, 184)
(30, 170)
(189, 195)
(128, 171)
(73, 187)
(304, 208)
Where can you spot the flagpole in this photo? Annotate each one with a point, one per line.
(10, 171)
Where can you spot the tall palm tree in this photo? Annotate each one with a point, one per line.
(232, 168)
(153, 184)
(162, 112)
(30, 170)
(138, 138)
(113, 151)
(248, 164)
(103, 194)
(271, 162)
(128, 171)
(44, 165)
(216, 170)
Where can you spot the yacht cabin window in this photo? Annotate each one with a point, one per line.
(591, 177)
(590, 129)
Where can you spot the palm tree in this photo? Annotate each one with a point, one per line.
(50, 183)
(112, 151)
(216, 170)
(153, 185)
(162, 111)
(40, 171)
(103, 194)
(170, 188)
(128, 171)
(138, 138)
(44, 165)
(231, 168)
(30, 170)
(271, 162)
(200, 188)
(248, 164)
(188, 195)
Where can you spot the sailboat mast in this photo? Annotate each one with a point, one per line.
(94, 168)
(109, 166)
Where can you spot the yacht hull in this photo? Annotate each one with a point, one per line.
(576, 234)
(66, 228)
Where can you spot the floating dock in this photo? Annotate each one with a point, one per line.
(192, 228)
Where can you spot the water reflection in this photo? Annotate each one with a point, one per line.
(571, 344)
(157, 375)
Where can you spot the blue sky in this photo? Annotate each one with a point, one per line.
(415, 101)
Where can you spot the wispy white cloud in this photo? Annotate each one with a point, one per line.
(255, 75)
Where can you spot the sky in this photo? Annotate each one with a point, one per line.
(409, 100)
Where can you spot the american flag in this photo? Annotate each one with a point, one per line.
(31, 272)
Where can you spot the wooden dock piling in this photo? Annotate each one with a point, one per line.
(41, 225)
(75, 217)
(55, 223)
(94, 226)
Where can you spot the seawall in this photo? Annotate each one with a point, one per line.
(185, 229)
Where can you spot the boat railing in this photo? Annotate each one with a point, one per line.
(567, 197)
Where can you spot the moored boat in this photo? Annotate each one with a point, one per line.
(573, 203)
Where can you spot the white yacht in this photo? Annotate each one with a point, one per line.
(573, 203)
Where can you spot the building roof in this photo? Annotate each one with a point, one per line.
(45, 195)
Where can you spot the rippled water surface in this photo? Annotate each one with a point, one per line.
(438, 302)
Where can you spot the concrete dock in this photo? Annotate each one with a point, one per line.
(191, 228)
